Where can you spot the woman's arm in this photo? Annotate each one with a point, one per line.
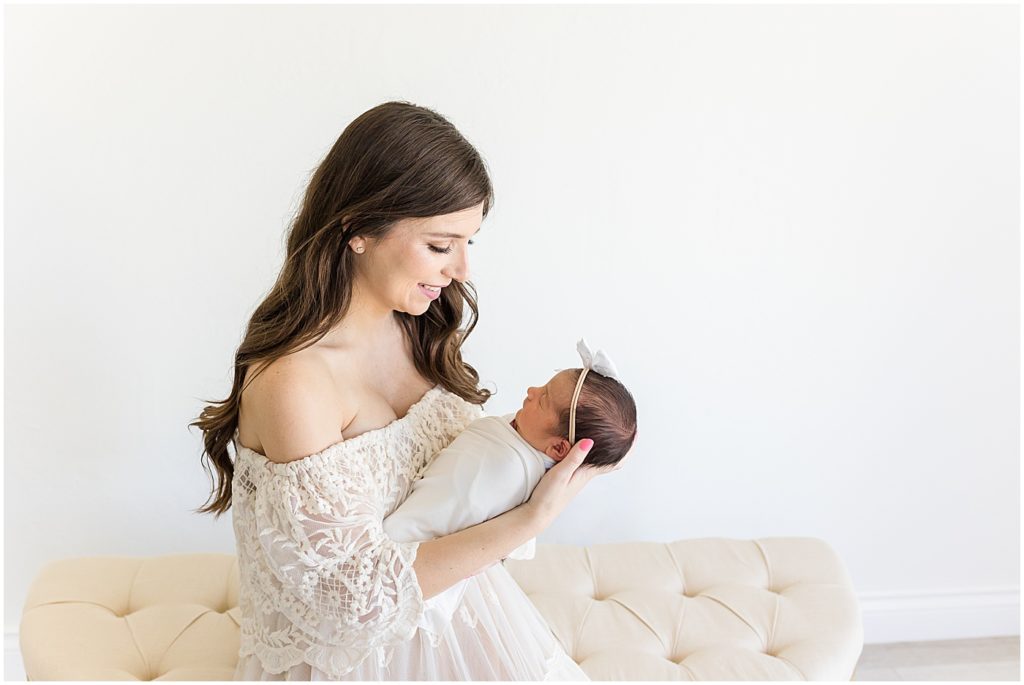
(445, 561)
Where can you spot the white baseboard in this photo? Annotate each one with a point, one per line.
(14, 670)
(888, 617)
(940, 614)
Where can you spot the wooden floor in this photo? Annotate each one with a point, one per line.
(991, 658)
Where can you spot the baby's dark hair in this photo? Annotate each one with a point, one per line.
(605, 413)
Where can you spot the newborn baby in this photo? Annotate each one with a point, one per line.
(495, 463)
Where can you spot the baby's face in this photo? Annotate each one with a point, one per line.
(537, 421)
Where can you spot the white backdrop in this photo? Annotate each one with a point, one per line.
(795, 230)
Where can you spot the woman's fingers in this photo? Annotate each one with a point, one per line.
(608, 468)
(625, 457)
(576, 456)
(579, 451)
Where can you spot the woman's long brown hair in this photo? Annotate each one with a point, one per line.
(393, 162)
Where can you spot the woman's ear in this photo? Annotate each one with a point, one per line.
(358, 245)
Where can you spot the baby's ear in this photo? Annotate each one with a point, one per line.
(559, 450)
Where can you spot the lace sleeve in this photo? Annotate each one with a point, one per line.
(340, 579)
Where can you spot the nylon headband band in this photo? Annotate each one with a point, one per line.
(572, 407)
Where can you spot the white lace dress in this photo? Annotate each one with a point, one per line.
(326, 595)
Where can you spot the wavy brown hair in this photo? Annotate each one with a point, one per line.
(605, 413)
(395, 161)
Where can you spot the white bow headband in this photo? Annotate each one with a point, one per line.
(592, 361)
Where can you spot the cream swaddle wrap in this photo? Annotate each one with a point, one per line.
(485, 471)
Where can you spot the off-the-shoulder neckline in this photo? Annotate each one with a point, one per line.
(317, 457)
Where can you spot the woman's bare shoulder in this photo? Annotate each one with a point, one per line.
(293, 407)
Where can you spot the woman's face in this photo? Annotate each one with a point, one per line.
(407, 268)
(537, 421)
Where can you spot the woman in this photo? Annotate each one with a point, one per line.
(349, 381)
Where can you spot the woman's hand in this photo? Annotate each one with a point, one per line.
(563, 481)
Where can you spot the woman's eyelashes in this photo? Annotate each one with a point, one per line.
(445, 250)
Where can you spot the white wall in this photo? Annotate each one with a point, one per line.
(795, 230)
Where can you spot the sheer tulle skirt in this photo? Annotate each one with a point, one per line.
(496, 633)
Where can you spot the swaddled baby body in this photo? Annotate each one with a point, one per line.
(495, 463)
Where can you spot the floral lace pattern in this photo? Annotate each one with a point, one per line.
(320, 582)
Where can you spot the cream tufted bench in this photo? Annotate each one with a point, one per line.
(707, 609)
